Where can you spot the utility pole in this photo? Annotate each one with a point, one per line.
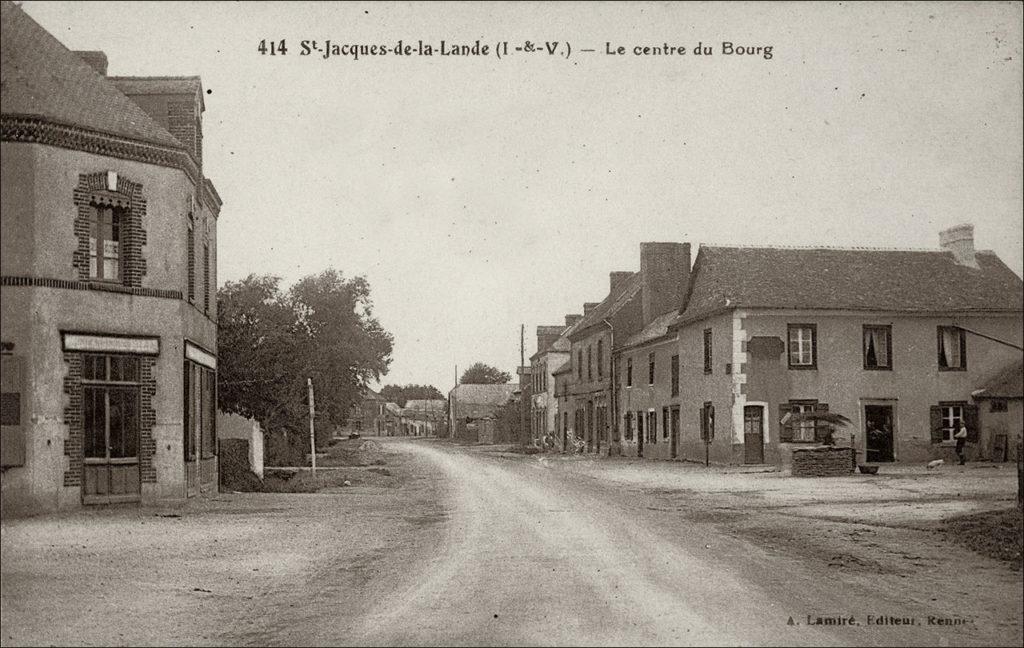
(312, 432)
(522, 387)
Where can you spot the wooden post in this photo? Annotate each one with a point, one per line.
(312, 431)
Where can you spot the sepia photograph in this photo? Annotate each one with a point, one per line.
(511, 323)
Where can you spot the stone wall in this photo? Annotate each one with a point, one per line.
(826, 461)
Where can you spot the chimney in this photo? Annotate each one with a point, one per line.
(96, 60)
(589, 306)
(546, 336)
(615, 279)
(664, 277)
(959, 240)
(572, 320)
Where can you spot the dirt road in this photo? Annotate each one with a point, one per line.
(464, 548)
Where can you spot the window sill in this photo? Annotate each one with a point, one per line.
(813, 367)
(866, 368)
(952, 368)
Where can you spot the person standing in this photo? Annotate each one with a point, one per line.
(961, 438)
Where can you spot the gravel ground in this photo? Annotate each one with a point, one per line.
(474, 548)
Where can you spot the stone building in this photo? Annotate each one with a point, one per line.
(108, 264)
(897, 341)
(552, 352)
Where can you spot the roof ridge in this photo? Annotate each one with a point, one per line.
(846, 248)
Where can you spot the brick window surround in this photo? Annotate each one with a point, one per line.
(109, 189)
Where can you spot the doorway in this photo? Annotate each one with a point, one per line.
(753, 434)
(110, 421)
(879, 433)
(675, 431)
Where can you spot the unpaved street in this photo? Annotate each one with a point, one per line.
(466, 547)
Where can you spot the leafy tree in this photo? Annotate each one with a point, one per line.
(401, 394)
(271, 341)
(482, 374)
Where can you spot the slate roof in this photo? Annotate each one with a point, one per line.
(159, 85)
(431, 404)
(566, 367)
(848, 279)
(1005, 384)
(658, 327)
(40, 77)
(612, 304)
(393, 408)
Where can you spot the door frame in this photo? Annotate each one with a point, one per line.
(862, 405)
(106, 462)
(764, 428)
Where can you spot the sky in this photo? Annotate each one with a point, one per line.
(480, 193)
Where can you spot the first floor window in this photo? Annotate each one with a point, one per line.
(675, 375)
(952, 348)
(629, 372)
(707, 351)
(105, 242)
(877, 347)
(803, 347)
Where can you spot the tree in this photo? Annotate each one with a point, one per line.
(270, 342)
(482, 374)
(405, 393)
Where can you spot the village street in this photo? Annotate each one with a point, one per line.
(466, 546)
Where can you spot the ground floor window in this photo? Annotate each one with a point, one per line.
(803, 431)
(627, 423)
(707, 422)
(947, 418)
(652, 427)
(111, 403)
(200, 433)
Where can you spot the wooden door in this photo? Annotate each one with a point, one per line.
(753, 434)
(110, 471)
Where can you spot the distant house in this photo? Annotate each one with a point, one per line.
(472, 410)
(552, 352)
(423, 417)
(369, 416)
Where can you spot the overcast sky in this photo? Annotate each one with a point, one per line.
(476, 194)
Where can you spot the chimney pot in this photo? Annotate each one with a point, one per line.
(959, 240)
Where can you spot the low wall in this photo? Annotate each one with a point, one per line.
(233, 426)
(823, 461)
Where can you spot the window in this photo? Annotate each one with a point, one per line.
(998, 405)
(627, 423)
(579, 364)
(652, 426)
(200, 412)
(590, 364)
(707, 351)
(804, 431)
(639, 425)
(877, 347)
(952, 349)
(803, 346)
(707, 422)
(105, 242)
(206, 278)
(664, 422)
(948, 418)
(190, 250)
(629, 372)
(600, 359)
(650, 368)
(675, 375)
(111, 403)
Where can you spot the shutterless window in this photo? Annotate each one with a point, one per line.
(590, 364)
(105, 242)
(675, 375)
(803, 346)
(600, 359)
(952, 348)
(650, 368)
(877, 347)
(629, 372)
(707, 351)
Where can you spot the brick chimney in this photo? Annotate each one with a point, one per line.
(572, 320)
(589, 306)
(96, 60)
(615, 279)
(546, 335)
(664, 277)
(959, 240)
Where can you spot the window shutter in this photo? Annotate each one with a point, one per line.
(971, 420)
(785, 431)
(936, 424)
(822, 429)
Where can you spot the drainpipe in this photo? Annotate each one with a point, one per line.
(611, 376)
